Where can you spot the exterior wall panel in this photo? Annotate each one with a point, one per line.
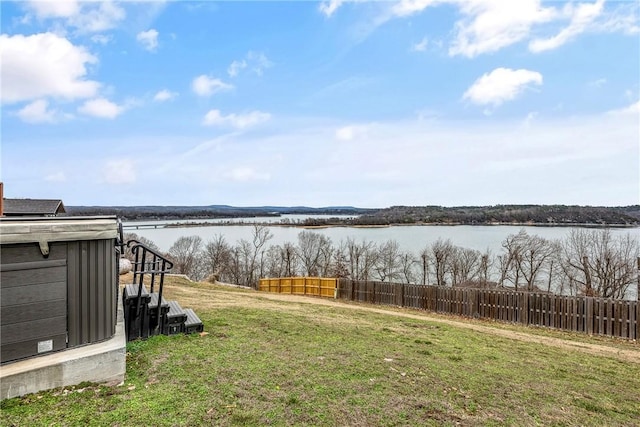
(34, 301)
(92, 290)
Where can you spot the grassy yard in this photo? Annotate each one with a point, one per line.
(265, 361)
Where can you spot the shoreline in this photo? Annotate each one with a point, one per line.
(189, 224)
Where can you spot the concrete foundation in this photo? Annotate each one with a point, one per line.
(103, 362)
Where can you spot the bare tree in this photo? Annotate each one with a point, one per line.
(408, 265)
(185, 253)
(339, 263)
(288, 255)
(388, 262)
(253, 254)
(510, 260)
(314, 252)
(425, 259)
(133, 236)
(484, 268)
(216, 257)
(441, 252)
(274, 262)
(327, 251)
(236, 265)
(463, 265)
(534, 254)
(362, 258)
(599, 264)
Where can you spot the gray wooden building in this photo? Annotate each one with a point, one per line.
(33, 207)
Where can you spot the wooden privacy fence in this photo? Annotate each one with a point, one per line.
(316, 286)
(598, 316)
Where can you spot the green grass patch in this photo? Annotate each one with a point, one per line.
(302, 364)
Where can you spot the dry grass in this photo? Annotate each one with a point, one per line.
(286, 360)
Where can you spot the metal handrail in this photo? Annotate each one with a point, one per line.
(145, 257)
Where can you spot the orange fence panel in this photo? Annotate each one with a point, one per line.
(313, 286)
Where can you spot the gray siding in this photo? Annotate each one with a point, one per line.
(92, 290)
(68, 298)
(34, 301)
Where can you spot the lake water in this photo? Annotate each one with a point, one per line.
(411, 238)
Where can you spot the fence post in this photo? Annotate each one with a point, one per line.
(637, 320)
(637, 333)
(638, 284)
(373, 296)
(588, 317)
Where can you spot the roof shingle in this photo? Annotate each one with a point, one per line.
(33, 207)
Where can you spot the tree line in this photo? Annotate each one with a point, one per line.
(591, 262)
(537, 214)
(521, 214)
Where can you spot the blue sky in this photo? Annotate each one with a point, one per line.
(371, 104)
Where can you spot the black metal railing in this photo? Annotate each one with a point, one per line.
(148, 264)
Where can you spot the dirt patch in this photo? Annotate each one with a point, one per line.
(219, 297)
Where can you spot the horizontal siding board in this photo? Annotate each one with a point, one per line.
(18, 253)
(33, 311)
(34, 293)
(42, 275)
(21, 350)
(34, 299)
(34, 329)
(32, 265)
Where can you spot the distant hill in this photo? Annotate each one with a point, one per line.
(536, 214)
(211, 211)
(498, 214)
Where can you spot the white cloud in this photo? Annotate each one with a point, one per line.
(528, 121)
(598, 83)
(101, 39)
(420, 46)
(329, 7)
(43, 65)
(348, 133)
(44, 9)
(490, 25)
(106, 16)
(164, 95)
(56, 177)
(404, 162)
(244, 174)
(257, 62)
(85, 16)
(409, 7)
(148, 39)
(238, 121)
(206, 86)
(582, 16)
(500, 85)
(235, 67)
(121, 171)
(487, 26)
(624, 19)
(102, 108)
(631, 110)
(37, 112)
